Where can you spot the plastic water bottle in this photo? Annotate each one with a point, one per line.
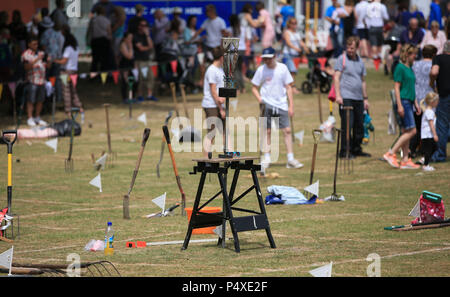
(109, 239)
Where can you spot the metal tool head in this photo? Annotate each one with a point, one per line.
(68, 165)
(316, 135)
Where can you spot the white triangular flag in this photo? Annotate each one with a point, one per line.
(201, 58)
(144, 71)
(142, 118)
(415, 212)
(52, 143)
(234, 104)
(299, 136)
(6, 259)
(97, 182)
(160, 201)
(135, 72)
(218, 230)
(313, 189)
(324, 271)
(102, 161)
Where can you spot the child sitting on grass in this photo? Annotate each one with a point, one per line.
(428, 128)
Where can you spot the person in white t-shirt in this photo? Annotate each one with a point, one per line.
(213, 104)
(69, 62)
(361, 27)
(376, 15)
(428, 128)
(272, 87)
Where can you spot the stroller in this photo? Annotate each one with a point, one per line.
(316, 77)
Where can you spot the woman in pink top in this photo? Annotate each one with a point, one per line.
(434, 37)
(268, 34)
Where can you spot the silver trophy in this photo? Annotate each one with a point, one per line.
(230, 57)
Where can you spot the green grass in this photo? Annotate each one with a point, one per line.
(61, 212)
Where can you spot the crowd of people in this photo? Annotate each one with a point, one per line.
(410, 45)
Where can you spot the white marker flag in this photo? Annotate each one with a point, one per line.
(102, 161)
(415, 212)
(324, 271)
(6, 259)
(234, 104)
(218, 230)
(52, 143)
(144, 71)
(160, 201)
(313, 189)
(97, 182)
(143, 118)
(299, 136)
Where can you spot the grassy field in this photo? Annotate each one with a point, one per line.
(60, 212)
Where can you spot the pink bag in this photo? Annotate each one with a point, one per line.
(332, 93)
(430, 211)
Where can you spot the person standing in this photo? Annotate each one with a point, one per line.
(293, 47)
(405, 95)
(126, 64)
(52, 42)
(440, 72)
(272, 87)
(34, 91)
(133, 22)
(435, 14)
(350, 86)
(58, 15)
(212, 104)
(413, 34)
(287, 11)
(69, 63)
(428, 128)
(337, 48)
(268, 30)
(421, 70)
(143, 45)
(375, 17)
(361, 27)
(160, 30)
(99, 36)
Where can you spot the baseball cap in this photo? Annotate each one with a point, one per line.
(268, 52)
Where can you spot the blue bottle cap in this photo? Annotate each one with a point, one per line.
(109, 224)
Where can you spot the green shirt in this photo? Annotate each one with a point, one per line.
(405, 76)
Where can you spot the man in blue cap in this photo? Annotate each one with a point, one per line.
(272, 87)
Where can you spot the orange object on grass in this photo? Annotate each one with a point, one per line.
(207, 209)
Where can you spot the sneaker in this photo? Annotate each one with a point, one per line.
(408, 165)
(294, 164)
(391, 159)
(31, 123)
(40, 122)
(428, 168)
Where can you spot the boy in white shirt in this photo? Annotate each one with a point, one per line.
(272, 87)
(213, 104)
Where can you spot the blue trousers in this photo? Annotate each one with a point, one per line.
(442, 129)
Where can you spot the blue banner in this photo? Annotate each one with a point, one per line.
(224, 8)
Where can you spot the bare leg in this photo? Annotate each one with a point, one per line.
(288, 139)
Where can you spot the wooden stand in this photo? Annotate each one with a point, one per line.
(256, 221)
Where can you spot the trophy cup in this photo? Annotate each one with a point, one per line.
(230, 57)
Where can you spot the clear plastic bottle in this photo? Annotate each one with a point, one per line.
(109, 240)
